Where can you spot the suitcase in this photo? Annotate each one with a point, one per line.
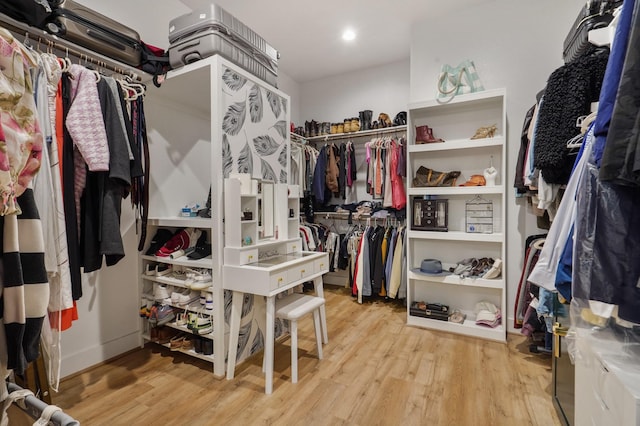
(212, 30)
(595, 14)
(88, 28)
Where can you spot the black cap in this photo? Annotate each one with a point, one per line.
(161, 237)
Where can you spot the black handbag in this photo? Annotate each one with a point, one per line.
(32, 12)
(400, 119)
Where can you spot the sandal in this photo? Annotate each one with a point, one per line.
(485, 132)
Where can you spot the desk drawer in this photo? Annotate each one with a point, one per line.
(301, 271)
(248, 256)
(294, 247)
(278, 279)
(321, 265)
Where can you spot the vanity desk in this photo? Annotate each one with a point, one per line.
(268, 277)
(263, 264)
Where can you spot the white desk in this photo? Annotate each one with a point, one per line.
(268, 278)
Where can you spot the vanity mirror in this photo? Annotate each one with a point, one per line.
(266, 208)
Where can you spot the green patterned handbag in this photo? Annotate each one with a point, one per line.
(458, 80)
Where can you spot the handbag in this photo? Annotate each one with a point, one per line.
(458, 80)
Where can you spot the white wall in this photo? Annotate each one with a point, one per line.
(380, 89)
(514, 44)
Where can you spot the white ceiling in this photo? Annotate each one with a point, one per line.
(308, 33)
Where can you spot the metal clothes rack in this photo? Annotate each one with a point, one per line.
(34, 408)
(41, 39)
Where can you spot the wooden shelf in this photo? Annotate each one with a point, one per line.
(182, 261)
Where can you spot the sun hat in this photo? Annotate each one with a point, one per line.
(432, 267)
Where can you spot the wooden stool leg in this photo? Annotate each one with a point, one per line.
(294, 351)
(318, 329)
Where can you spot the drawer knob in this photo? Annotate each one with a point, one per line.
(302, 271)
(280, 279)
(322, 265)
(250, 257)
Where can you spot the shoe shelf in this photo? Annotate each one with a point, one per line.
(187, 331)
(497, 283)
(457, 121)
(190, 352)
(175, 282)
(457, 144)
(361, 133)
(199, 263)
(456, 236)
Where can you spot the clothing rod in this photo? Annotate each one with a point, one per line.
(38, 37)
(35, 407)
(360, 134)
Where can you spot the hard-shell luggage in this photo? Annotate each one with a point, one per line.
(88, 28)
(596, 14)
(212, 30)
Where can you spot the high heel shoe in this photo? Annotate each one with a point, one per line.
(424, 134)
(485, 132)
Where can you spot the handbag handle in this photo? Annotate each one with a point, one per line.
(456, 82)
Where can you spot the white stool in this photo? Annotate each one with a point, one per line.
(292, 307)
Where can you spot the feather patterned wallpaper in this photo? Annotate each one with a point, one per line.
(254, 141)
(254, 129)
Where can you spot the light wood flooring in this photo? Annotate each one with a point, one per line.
(375, 371)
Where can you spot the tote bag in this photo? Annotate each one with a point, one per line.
(458, 80)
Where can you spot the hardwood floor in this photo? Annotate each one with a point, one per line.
(375, 371)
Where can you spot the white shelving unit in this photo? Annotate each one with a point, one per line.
(456, 121)
(209, 119)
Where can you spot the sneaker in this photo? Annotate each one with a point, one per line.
(175, 297)
(202, 326)
(150, 269)
(182, 240)
(208, 304)
(165, 315)
(163, 269)
(186, 299)
(160, 293)
(153, 316)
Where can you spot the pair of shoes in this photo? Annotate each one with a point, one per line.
(495, 271)
(161, 293)
(202, 325)
(161, 315)
(198, 279)
(181, 342)
(424, 134)
(158, 270)
(485, 132)
(188, 297)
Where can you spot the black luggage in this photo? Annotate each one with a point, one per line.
(92, 30)
(596, 14)
(32, 12)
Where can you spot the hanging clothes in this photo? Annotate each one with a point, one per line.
(25, 291)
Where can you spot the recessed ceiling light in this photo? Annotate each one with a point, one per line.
(348, 35)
